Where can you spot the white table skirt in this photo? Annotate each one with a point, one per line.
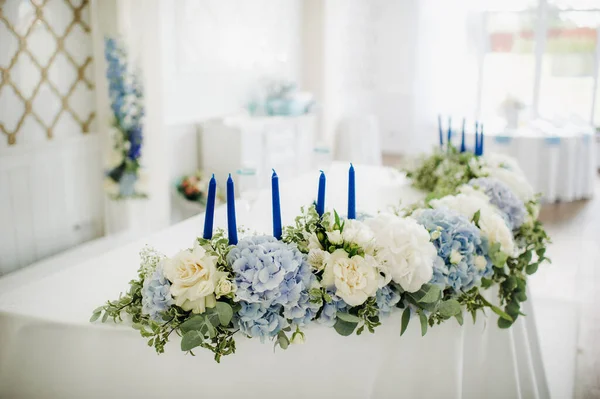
(48, 349)
(562, 168)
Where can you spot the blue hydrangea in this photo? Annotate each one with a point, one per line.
(387, 298)
(269, 271)
(259, 321)
(502, 197)
(452, 233)
(156, 295)
(329, 312)
(126, 95)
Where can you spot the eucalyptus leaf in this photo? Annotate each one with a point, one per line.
(95, 317)
(344, 328)
(348, 317)
(225, 313)
(427, 294)
(423, 320)
(283, 340)
(201, 324)
(191, 340)
(405, 320)
(449, 308)
(503, 323)
(459, 318)
(531, 268)
(501, 313)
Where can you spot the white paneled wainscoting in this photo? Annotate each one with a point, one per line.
(51, 199)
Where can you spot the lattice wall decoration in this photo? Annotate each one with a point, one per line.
(46, 82)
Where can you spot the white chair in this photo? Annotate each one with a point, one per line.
(357, 140)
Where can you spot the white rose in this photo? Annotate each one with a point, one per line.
(480, 262)
(335, 237)
(317, 258)
(194, 277)
(358, 233)
(455, 257)
(405, 249)
(354, 279)
(491, 223)
(224, 287)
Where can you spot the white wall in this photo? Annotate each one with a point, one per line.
(216, 51)
(50, 199)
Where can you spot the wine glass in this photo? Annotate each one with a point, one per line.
(321, 157)
(248, 183)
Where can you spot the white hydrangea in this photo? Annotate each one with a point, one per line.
(505, 169)
(358, 233)
(492, 224)
(404, 250)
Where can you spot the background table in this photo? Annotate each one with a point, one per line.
(559, 161)
(48, 348)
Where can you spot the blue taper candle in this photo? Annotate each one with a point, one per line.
(321, 196)
(440, 130)
(476, 149)
(210, 208)
(231, 225)
(463, 147)
(351, 193)
(449, 131)
(481, 139)
(276, 206)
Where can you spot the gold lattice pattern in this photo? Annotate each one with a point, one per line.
(40, 16)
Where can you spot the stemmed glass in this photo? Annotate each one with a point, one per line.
(248, 183)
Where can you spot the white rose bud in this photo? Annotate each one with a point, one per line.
(297, 338)
(225, 287)
(335, 237)
(455, 257)
(435, 235)
(480, 262)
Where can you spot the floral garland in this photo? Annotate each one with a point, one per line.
(124, 178)
(478, 228)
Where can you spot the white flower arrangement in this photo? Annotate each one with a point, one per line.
(433, 262)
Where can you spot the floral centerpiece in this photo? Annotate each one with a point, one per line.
(124, 178)
(431, 261)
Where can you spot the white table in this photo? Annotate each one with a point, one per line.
(560, 162)
(48, 349)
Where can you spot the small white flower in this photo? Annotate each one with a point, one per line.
(480, 262)
(455, 257)
(297, 338)
(358, 233)
(317, 258)
(335, 237)
(225, 287)
(313, 241)
(435, 234)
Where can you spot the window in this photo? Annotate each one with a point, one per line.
(541, 57)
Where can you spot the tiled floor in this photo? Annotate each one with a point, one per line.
(566, 297)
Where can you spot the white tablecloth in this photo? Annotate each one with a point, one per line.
(559, 163)
(49, 350)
